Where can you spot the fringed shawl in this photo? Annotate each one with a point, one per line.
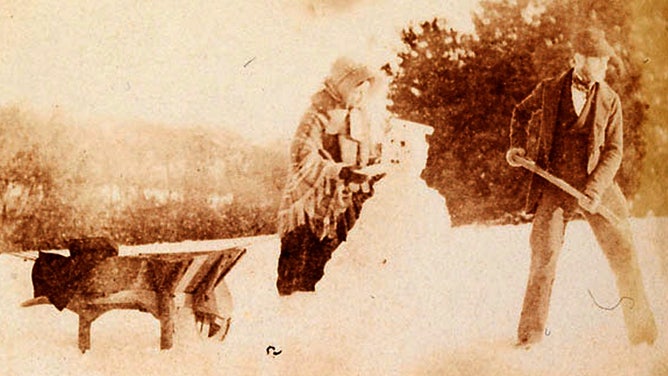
(313, 193)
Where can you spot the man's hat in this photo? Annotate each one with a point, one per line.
(591, 42)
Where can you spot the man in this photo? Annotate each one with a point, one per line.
(323, 195)
(576, 121)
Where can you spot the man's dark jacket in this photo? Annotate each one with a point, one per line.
(533, 128)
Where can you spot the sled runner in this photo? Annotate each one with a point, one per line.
(561, 184)
(159, 284)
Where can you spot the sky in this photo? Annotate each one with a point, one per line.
(249, 66)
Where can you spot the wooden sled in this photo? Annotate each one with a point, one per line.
(157, 283)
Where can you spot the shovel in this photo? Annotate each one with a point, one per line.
(561, 184)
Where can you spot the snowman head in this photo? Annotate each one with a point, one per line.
(406, 148)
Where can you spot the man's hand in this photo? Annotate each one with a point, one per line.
(512, 154)
(590, 203)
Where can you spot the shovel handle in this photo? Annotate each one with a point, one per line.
(563, 185)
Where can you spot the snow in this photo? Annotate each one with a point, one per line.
(406, 295)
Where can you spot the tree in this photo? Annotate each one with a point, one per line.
(35, 210)
(650, 37)
(466, 86)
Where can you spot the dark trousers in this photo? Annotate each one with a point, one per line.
(616, 240)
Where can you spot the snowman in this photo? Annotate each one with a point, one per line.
(400, 226)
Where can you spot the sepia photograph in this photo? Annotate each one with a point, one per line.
(334, 187)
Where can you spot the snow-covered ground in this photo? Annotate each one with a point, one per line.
(450, 308)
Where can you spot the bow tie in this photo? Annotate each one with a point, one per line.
(580, 84)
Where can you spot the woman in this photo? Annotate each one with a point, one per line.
(323, 195)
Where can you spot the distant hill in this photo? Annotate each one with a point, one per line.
(134, 182)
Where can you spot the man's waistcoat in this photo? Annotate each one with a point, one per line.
(568, 157)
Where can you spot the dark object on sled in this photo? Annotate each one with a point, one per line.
(95, 284)
(58, 277)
